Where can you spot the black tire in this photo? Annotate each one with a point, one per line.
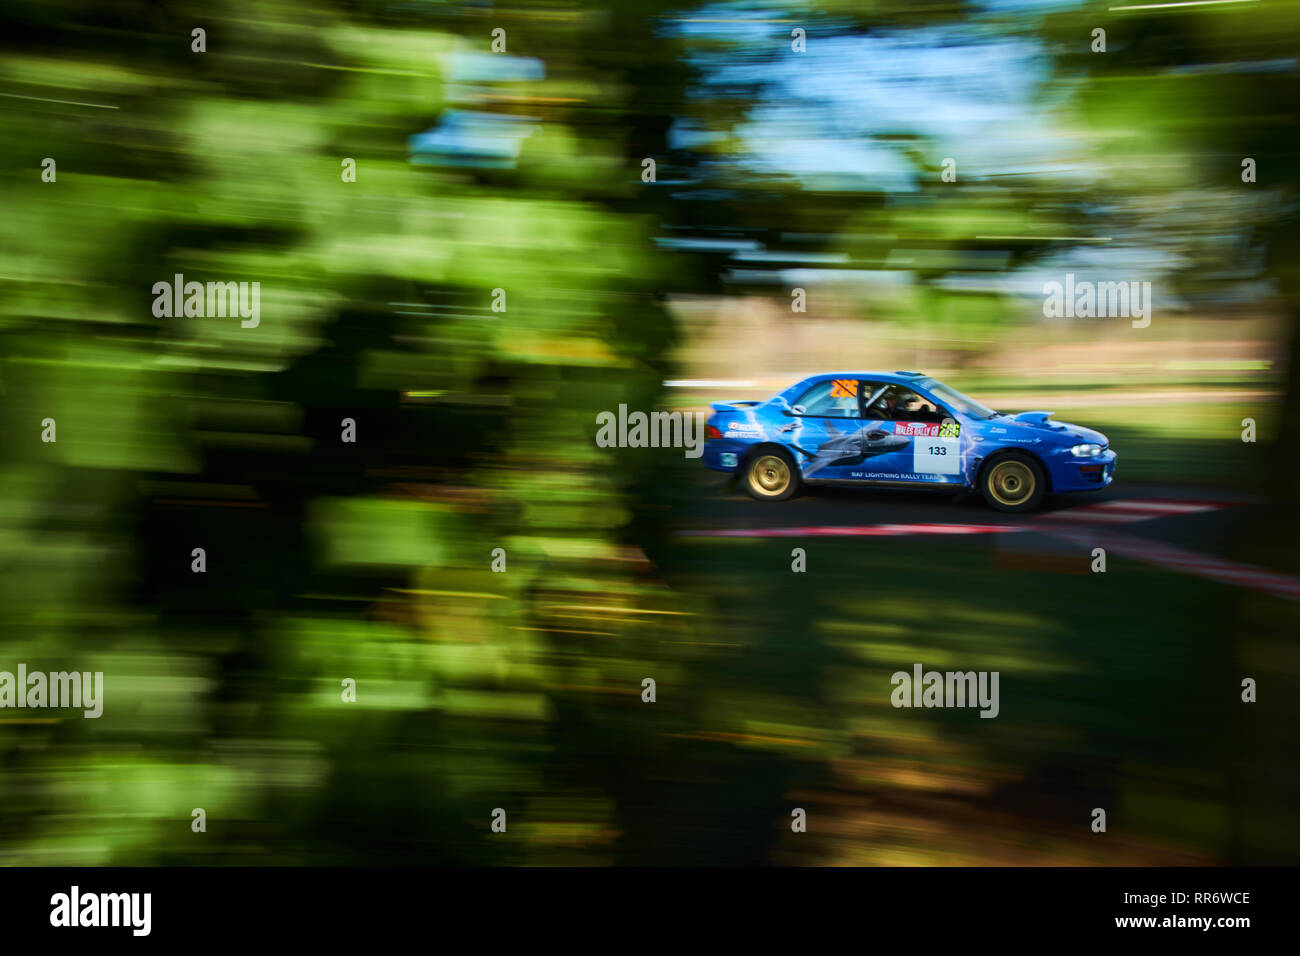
(1013, 482)
(770, 475)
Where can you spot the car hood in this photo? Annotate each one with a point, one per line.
(1065, 431)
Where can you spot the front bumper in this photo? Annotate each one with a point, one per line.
(1083, 474)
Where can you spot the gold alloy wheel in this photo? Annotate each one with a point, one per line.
(769, 475)
(1012, 482)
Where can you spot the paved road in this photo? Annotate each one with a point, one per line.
(1179, 529)
(717, 503)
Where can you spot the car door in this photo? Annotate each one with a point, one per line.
(824, 429)
(914, 438)
(885, 455)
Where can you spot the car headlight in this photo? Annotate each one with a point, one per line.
(1085, 451)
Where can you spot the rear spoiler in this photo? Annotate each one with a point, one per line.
(729, 406)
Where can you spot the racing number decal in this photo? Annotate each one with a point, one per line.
(844, 388)
(936, 449)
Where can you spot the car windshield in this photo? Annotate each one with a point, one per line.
(955, 399)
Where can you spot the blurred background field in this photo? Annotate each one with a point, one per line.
(519, 177)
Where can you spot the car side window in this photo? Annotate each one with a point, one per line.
(837, 398)
(901, 404)
(915, 408)
(882, 402)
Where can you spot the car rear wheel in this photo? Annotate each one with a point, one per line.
(1013, 483)
(770, 475)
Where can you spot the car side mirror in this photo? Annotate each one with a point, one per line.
(793, 411)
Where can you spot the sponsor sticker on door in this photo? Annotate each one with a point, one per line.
(928, 429)
(936, 448)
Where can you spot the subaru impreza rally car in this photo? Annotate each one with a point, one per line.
(901, 429)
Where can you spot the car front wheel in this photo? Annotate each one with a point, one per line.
(770, 475)
(1013, 483)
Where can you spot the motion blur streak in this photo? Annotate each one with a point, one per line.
(501, 267)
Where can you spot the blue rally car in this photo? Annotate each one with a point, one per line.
(901, 429)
